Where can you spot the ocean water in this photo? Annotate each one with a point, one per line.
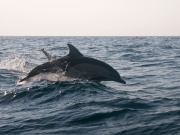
(149, 104)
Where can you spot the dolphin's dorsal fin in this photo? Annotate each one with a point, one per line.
(73, 51)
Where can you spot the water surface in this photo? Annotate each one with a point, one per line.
(148, 104)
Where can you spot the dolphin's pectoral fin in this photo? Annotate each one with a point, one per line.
(73, 51)
(97, 78)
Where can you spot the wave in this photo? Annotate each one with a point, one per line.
(82, 104)
(41, 88)
(148, 104)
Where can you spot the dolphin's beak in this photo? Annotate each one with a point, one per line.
(122, 81)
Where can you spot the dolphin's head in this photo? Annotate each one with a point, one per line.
(116, 77)
(112, 75)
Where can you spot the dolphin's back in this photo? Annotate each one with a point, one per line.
(91, 61)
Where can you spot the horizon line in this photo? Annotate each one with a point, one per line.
(87, 36)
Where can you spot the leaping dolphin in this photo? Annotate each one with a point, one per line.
(76, 65)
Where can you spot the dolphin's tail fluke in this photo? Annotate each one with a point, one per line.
(49, 57)
(46, 54)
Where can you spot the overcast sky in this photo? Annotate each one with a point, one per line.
(89, 17)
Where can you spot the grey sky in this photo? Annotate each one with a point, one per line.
(90, 17)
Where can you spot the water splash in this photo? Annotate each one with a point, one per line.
(16, 63)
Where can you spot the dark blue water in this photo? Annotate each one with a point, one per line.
(149, 104)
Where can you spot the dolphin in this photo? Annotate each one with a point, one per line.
(76, 65)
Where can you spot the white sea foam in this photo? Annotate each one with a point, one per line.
(16, 63)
